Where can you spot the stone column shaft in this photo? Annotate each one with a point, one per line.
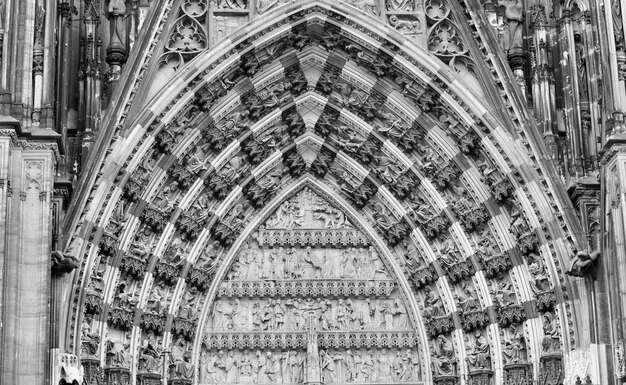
(26, 271)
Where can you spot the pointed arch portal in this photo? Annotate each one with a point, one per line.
(314, 165)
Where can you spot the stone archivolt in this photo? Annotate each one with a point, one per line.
(401, 151)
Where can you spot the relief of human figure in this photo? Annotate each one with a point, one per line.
(383, 369)
(260, 367)
(231, 366)
(348, 269)
(329, 367)
(272, 369)
(400, 318)
(296, 367)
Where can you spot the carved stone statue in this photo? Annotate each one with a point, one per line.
(117, 354)
(551, 336)
(150, 356)
(478, 356)
(444, 362)
(514, 346)
(180, 364)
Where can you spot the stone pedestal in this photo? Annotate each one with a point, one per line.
(446, 380)
(92, 373)
(149, 379)
(116, 375)
(179, 381)
(518, 374)
(480, 377)
(551, 369)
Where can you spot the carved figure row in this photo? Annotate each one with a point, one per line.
(293, 314)
(308, 263)
(358, 366)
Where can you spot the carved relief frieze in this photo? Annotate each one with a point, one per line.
(306, 288)
(298, 340)
(278, 314)
(33, 175)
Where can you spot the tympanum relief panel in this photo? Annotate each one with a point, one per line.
(308, 298)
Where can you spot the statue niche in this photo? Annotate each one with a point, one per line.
(308, 298)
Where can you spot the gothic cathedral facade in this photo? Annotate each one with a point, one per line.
(406, 192)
